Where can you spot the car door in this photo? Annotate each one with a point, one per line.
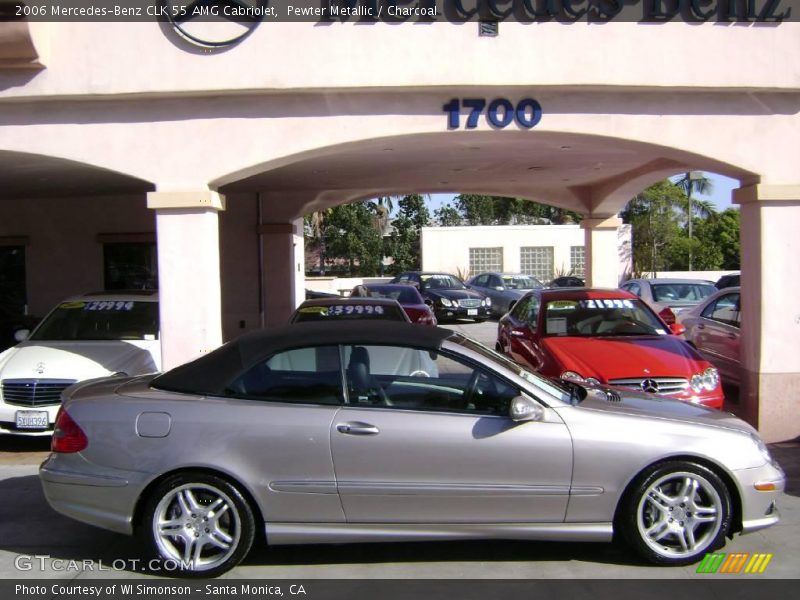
(524, 343)
(717, 333)
(285, 404)
(425, 438)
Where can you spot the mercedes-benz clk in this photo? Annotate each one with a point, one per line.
(367, 432)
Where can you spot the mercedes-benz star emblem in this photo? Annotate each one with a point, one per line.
(650, 386)
(39, 368)
(215, 23)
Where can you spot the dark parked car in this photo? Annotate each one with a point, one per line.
(504, 288)
(349, 309)
(407, 295)
(726, 281)
(448, 296)
(567, 281)
(375, 432)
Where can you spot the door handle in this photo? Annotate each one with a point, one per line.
(701, 326)
(357, 428)
(732, 336)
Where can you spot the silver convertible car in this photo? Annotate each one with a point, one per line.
(373, 431)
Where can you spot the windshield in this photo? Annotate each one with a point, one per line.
(349, 312)
(404, 294)
(681, 292)
(441, 282)
(600, 317)
(554, 388)
(100, 320)
(521, 282)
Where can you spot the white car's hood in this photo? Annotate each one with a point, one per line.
(79, 360)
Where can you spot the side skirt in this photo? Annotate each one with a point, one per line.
(339, 533)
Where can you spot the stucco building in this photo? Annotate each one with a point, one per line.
(129, 133)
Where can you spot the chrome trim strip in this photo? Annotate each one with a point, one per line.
(332, 533)
(365, 488)
(304, 487)
(586, 491)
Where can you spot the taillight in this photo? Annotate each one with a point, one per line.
(667, 315)
(67, 435)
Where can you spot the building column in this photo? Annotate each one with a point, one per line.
(770, 312)
(602, 251)
(283, 274)
(187, 235)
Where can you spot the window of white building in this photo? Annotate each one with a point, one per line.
(537, 261)
(485, 259)
(577, 260)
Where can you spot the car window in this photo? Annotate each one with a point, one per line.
(520, 310)
(633, 288)
(532, 313)
(304, 375)
(600, 317)
(349, 312)
(413, 379)
(441, 282)
(724, 309)
(406, 294)
(494, 282)
(689, 292)
(100, 320)
(482, 281)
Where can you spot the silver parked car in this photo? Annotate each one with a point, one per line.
(504, 288)
(669, 297)
(373, 431)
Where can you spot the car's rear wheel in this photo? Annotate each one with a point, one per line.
(198, 524)
(676, 513)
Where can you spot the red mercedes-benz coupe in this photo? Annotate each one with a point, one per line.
(606, 337)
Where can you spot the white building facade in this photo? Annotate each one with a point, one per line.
(544, 251)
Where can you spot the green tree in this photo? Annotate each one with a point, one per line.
(656, 225)
(695, 182)
(350, 235)
(447, 216)
(721, 230)
(404, 245)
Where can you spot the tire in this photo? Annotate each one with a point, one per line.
(675, 513)
(193, 506)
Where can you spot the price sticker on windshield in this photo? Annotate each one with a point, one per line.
(119, 305)
(607, 303)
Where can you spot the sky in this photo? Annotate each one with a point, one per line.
(720, 195)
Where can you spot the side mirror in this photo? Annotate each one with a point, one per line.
(677, 328)
(524, 409)
(21, 334)
(429, 302)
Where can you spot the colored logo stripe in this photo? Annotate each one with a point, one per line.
(711, 563)
(719, 562)
(758, 564)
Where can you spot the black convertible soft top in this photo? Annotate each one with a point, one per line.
(210, 374)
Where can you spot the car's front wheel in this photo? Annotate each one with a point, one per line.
(676, 513)
(197, 524)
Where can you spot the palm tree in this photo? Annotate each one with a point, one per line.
(382, 207)
(695, 181)
(317, 223)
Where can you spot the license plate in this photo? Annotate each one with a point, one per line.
(32, 419)
(471, 312)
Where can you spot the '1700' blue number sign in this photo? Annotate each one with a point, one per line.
(500, 112)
